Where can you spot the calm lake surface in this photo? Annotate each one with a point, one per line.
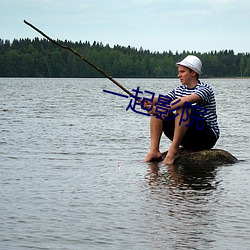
(72, 174)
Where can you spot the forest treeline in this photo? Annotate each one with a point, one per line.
(41, 58)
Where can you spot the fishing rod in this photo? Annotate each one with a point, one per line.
(82, 57)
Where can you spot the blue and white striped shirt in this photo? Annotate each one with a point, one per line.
(205, 92)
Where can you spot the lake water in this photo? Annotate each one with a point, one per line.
(72, 174)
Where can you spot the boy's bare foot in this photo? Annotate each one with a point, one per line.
(171, 156)
(153, 156)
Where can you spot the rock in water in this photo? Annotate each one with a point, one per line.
(204, 157)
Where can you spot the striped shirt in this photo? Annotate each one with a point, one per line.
(205, 92)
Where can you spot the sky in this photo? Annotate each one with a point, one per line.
(155, 25)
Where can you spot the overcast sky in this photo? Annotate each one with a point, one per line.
(157, 25)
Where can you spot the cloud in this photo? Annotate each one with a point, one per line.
(225, 5)
(148, 2)
(83, 6)
(222, 2)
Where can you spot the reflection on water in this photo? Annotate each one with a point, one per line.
(184, 195)
(189, 177)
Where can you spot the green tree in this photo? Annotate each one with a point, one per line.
(247, 69)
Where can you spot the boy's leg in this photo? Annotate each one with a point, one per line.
(156, 128)
(179, 132)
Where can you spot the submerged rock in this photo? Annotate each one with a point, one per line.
(204, 157)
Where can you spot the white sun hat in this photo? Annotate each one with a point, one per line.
(191, 62)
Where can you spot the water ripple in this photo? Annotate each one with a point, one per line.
(72, 175)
